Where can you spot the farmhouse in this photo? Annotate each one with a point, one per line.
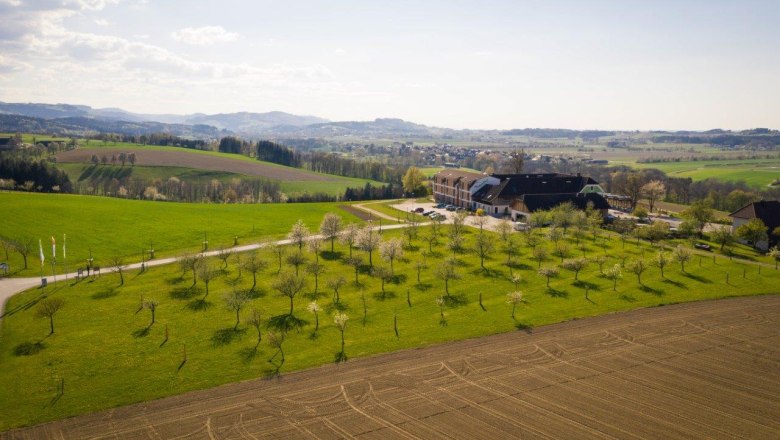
(516, 195)
(768, 211)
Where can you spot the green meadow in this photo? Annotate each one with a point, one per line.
(106, 352)
(754, 172)
(118, 227)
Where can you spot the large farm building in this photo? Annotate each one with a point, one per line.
(516, 195)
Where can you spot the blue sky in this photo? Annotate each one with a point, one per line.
(462, 64)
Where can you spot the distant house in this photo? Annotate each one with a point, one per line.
(768, 211)
(517, 195)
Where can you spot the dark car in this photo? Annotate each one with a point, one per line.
(450, 207)
(427, 213)
(419, 210)
(440, 206)
(703, 246)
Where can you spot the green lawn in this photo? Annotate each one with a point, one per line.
(111, 226)
(755, 172)
(108, 355)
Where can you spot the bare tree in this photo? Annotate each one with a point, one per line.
(150, 305)
(419, 265)
(446, 272)
(315, 246)
(514, 298)
(575, 265)
(661, 261)
(455, 243)
(192, 263)
(47, 308)
(600, 260)
(355, 263)
(7, 244)
(384, 276)
(315, 269)
(256, 321)
(637, 267)
(483, 247)
(336, 284)
(458, 223)
(540, 254)
(279, 250)
(298, 234)
(480, 221)
(391, 250)
(350, 236)
(613, 274)
(23, 246)
(207, 274)
(432, 238)
(276, 340)
(368, 241)
(296, 259)
(340, 320)
(253, 264)
(653, 191)
(223, 255)
(235, 301)
(548, 272)
(289, 285)
(118, 263)
(330, 228)
(774, 254)
(682, 255)
(314, 308)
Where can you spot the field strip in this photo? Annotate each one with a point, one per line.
(639, 374)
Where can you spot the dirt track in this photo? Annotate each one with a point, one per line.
(697, 370)
(195, 160)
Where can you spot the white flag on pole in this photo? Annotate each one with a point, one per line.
(40, 251)
(53, 248)
(64, 254)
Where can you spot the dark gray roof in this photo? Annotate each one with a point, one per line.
(513, 186)
(766, 210)
(537, 202)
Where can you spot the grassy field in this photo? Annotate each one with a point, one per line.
(430, 171)
(755, 172)
(107, 354)
(112, 226)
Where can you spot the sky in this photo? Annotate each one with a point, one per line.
(622, 65)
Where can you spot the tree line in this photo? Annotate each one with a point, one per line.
(31, 175)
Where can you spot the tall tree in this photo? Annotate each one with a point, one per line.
(652, 191)
(289, 285)
(47, 308)
(298, 234)
(330, 228)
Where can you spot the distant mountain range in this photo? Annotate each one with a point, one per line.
(70, 119)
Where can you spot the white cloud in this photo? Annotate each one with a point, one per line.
(101, 22)
(204, 35)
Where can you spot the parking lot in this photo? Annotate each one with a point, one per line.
(411, 205)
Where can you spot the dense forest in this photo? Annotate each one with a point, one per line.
(30, 175)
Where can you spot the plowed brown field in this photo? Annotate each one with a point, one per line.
(698, 370)
(198, 161)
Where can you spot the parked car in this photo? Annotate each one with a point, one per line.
(703, 246)
(427, 213)
(522, 227)
(450, 207)
(419, 210)
(440, 206)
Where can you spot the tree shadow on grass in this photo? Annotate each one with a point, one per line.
(334, 307)
(105, 293)
(648, 289)
(423, 286)
(248, 354)
(199, 305)
(586, 284)
(29, 348)
(174, 280)
(555, 293)
(381, 296)
(227, 335)
(524, 327)
(254, 293)
(340, 357)
(443, 322)
(455, 301)
(330, 256)
(677, 284)
(627, 298)
(314, 296)
(399, 278)
(142, 332)
(697, 278)
(285, 323)
(185, 293)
